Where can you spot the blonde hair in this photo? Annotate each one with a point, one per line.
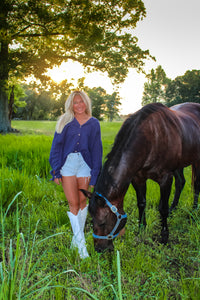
(68, 116)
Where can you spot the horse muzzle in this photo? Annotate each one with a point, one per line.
(106, 245)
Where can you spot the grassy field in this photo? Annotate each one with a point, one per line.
(35, 236)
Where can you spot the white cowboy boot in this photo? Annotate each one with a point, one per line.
(83, 216)
(74, 242)
(78, 240)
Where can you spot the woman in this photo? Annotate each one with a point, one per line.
(76, 159)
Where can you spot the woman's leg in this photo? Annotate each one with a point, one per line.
(70, 187)
(83, 183)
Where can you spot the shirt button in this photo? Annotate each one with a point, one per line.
(79, 134)
(77, 143)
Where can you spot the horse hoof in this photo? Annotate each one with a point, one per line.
(164, 237)
(164, 241)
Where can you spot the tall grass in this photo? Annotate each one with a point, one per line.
(35, 235)
(17, 269)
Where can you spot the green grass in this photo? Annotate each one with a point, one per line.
(34, 127)
(36, 260)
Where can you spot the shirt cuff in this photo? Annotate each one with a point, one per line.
(55, 175)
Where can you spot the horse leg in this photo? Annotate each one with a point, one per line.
(179, 185)
(165, 189)
(196, 179)
(141, 202)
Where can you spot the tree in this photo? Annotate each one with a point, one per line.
(184, 88)
(97, 95)
(154, 88)
(39, 106)
(36, 35)
(16, 92)
(112, 103)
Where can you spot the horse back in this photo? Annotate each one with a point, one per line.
(188, 115)
(163, 134)
(173, 137)
(188, 108)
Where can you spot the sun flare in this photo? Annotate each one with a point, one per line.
(130, 91)
(71, 71)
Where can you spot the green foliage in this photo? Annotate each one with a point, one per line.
(45, 106)
(184, 88)
(18, 94)
(97, 95)
(37, 35)
(154, 88)
(35, 235)
(104, 106)
(38, 106)
(111, 106)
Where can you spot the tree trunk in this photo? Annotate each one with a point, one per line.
(11, 103)
(5, 125)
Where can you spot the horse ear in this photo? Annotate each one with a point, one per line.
(86, 193)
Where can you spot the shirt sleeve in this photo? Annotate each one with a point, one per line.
(96, 153)
(55, 158)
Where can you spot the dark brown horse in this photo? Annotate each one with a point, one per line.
(193, 110)
(154, 143)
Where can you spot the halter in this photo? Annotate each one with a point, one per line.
(113, 208)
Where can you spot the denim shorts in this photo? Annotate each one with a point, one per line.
(75, 166)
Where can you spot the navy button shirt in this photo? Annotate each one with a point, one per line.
(74, 137)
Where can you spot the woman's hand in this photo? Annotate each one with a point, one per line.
(58, 181)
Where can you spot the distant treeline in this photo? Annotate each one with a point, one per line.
(45, 105)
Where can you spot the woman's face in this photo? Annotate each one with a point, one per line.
(79, 106)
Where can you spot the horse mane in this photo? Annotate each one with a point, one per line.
(130, 125)
(122, 142)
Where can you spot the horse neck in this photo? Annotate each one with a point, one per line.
(111, 186)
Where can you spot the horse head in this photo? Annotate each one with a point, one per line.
(107, 219)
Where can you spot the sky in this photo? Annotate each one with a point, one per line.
(170, 32)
